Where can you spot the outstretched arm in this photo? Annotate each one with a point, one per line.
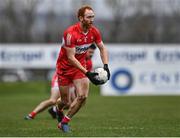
(104, 57)
(103, 52)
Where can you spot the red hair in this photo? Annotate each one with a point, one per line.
(82, 10)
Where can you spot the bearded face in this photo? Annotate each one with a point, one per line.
(88, 19)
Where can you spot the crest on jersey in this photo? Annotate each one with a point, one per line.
(79, 40)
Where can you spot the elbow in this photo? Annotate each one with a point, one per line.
(102, 48)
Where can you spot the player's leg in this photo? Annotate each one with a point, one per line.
(81, 84)
(53, 110)
(59, 99)
(63, 102)
(82, 88)
(45, 104)
(72, 94)
(64, 97)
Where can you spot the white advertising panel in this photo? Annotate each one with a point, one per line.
(142, 70)
(29, 55)
(135, 69)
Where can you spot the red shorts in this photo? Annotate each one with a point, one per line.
(66, 77)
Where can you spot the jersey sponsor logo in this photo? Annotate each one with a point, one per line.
(82, 48)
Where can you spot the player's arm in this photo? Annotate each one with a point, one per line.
(103, 52)
(69, 45)
(71, 57)
(104, 56)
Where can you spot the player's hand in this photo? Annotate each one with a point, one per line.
(107, 69)
(92, 77)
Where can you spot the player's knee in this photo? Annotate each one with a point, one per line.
(82, 98)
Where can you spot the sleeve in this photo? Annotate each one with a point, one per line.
(69, 40)
(98, 38)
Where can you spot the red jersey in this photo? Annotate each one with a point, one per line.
(74, 37)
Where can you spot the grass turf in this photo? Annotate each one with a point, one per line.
(102, 116)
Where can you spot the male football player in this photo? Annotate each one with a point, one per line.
(55, 93)
(72, 94)
(71, 67)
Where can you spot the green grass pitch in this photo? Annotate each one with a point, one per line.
(102, 116)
